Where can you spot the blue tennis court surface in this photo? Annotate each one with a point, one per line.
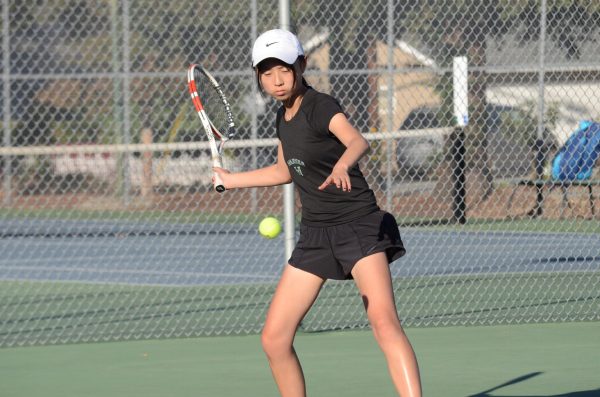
(193, 257)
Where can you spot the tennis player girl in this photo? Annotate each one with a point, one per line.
(343, 233)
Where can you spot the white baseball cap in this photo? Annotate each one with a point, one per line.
(276, 43)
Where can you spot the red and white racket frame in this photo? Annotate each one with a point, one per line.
(211, 132)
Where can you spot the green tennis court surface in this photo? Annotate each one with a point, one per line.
(509, 360)
(51, 313)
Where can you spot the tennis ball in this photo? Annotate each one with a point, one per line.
(269, 227)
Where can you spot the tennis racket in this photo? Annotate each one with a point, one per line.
(208, 98)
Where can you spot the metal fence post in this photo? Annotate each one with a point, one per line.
(540, 146)
(288, 189)
(390, 149)
(126, 100)
(6, 141)
(254, 110)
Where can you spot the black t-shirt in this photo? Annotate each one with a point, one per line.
(311, 151)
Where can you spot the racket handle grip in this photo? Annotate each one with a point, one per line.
(218, 183)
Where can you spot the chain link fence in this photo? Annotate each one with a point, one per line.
(109, 229)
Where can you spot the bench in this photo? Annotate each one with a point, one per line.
(545, 186)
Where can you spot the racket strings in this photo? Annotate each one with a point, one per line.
(212, 103)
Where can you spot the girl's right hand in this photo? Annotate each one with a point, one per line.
(224, 175)
(340, 178)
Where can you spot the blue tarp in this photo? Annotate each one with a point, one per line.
(575, 160)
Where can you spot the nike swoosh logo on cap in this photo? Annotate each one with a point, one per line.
(270, 44)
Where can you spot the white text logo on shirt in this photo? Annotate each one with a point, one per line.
(296, 165)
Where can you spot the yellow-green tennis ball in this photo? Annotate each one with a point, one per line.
(269, 227)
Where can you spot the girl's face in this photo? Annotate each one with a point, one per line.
(277, 79)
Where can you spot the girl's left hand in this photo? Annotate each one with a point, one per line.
(339, 178)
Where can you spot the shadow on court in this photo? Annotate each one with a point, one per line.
(582, 393)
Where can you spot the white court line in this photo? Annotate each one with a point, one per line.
(114, 259)
(136, 284)
(64, 269)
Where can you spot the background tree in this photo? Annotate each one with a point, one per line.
(444, 29)
(354, 26)
(453, 28)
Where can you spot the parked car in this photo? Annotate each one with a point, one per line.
(418, 155)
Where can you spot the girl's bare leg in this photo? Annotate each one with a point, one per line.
(372, 276)
(295, 294)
